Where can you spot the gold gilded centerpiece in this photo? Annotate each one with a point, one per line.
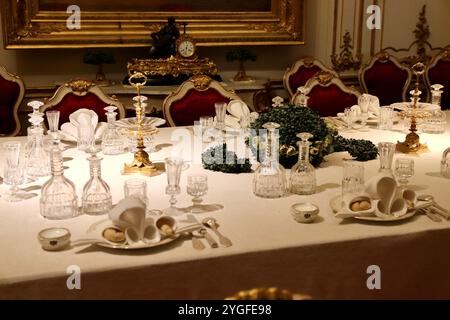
(412, 141)
(141, 163)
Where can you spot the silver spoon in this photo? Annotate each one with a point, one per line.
(212, 224)
(440, 210)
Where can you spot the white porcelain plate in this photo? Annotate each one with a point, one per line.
(99, 226)
(137, 246)
(336, 205)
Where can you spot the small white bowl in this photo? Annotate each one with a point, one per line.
(304, 212)
(54, 239)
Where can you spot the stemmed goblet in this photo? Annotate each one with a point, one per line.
(363, 103)
(174, 166)
(14, 172)
(197, 187)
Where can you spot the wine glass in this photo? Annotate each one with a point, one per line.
(14, 172)
(364, 102)
(197, 187)
(174, 166)
(404, 170)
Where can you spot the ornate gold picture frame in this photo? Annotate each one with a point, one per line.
(43, 23)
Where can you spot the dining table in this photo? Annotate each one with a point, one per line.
(330, 258)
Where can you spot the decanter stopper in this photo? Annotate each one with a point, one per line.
(35, 105)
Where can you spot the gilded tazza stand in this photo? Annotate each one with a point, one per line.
(141, 163)
(412, 141)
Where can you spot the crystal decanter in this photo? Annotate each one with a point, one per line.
(96, 198)
(269, 180)
(112, 142)
(37, 159)
(58, 196)
(303, 174)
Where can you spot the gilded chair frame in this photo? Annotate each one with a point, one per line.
(14, 78)
(307, 62)
(325, 79)
(199, 83)
(385, 57)
(82, 88)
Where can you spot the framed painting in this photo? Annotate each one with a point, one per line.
(118, 23)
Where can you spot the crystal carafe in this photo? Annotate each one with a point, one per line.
(96, 199)
(269, 180)
(37, 159)
(112, 141)
(58, 196)
(303, 175)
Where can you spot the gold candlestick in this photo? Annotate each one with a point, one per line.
(141, 163)
(412, 141)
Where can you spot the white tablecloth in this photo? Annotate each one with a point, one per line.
(327, 259)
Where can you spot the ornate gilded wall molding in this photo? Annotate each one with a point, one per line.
(423, 46)
(345, 60)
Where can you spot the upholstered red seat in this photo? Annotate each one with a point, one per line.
(80, 94)
(328, 95)
(11, 95)
(385, 78)
(193, 99)
(438, 72)
(300, 72)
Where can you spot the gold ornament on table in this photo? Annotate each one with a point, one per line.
(412, 141)
(141, 163)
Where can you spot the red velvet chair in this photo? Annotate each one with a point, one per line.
(328, 95)
(79, 94)
(12, 91)
(193, 99)
(438, 72)
(300, 72)
(385, 78)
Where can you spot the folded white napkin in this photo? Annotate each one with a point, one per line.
(238, 112)
(83, 117)
(71, 131)
(374, 103)
(129, 215)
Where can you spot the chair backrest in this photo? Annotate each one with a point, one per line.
(385, 78)
(79, 94)
(193, 99)
(328, 95)
(438, 72)
(301, 71)
(12, 91)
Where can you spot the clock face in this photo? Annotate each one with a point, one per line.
(186, 48)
